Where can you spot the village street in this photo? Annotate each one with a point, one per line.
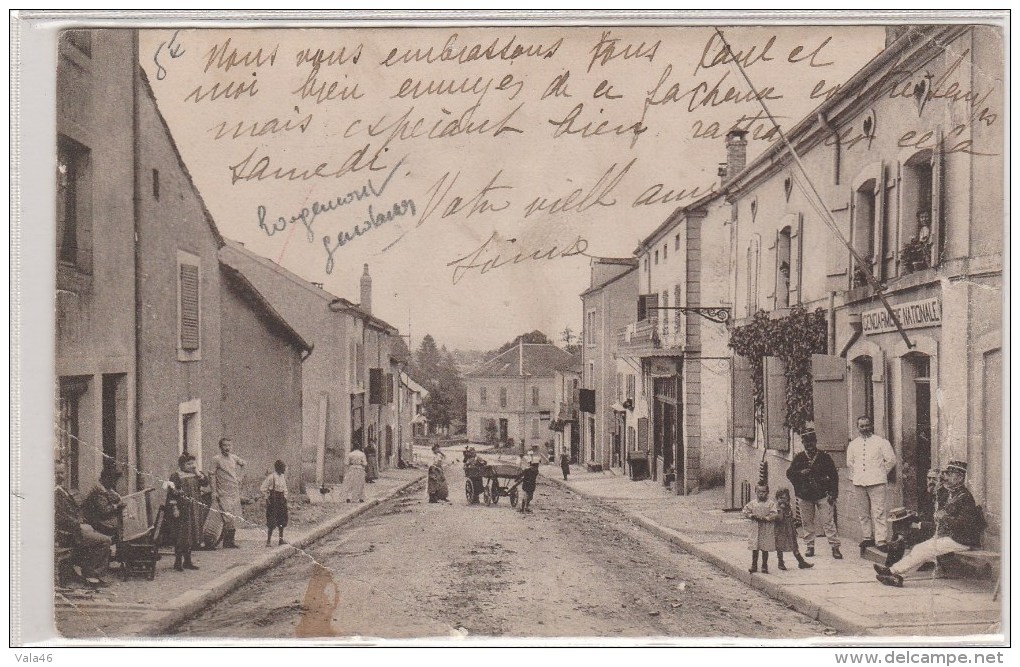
(409, 568)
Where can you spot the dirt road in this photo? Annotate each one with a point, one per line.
(570, 569)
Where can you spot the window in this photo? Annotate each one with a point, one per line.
(589, 329)
(155, 183)
(922, 239)
(482, 396)
(863, 377)
(656, 257)
(783, 268)
(631, 387)
(676, 242)
(502, 397)
(189, 306)
(535, 424)
(647, 304)
(665, 251)
(867, 229)
(74, 203)
(534, 395)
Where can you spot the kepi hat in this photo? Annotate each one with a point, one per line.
(957, 466)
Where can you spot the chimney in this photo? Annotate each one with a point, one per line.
(736, 155)
(366, 292)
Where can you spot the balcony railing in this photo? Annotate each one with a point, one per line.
(652, 333)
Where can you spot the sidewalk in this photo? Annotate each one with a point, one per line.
(843, 594)
(142, 608)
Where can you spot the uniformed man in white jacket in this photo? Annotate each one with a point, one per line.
(870, 458)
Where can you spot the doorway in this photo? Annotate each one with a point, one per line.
(667, 443)
(917, 432)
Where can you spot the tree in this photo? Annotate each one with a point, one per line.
(438, 372)
(535, 336)
(567, 336)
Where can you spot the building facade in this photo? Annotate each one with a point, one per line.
(607, 306)
(512, 396)
(566, 421)
(907, 160)
(349, 393)
(144, 365)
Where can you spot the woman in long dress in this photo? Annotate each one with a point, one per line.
(372, 469)
(437, 488)
(183, 502)
(354, 477)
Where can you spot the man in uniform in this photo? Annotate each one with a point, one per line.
(870, 459)
(816, 485)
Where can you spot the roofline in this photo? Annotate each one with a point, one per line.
(147, 87)
(266, 306)
(475, 374)
(848, 91)
(592, 290)
(283, 271)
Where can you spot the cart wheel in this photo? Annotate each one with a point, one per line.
(469, 491)
(513, 498)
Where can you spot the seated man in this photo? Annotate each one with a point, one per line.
(90, 550)
(958, 526)
(103, 505)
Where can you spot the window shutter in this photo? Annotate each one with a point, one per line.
(878, 256)
(389, 388)
(587, 401)
(642, 308)
(829, 397)
(775, 272)
(938, 224)
(777, 435)
(189, 307)
(376, 395)
(797, 260)
(743, 397)
(677, 301)
(850, 262)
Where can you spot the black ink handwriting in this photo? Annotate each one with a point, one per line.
(173, 48)
(605, 50)
(490, 255)
(255, 167)
(580, 200)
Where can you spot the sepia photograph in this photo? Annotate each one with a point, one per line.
(575, 330)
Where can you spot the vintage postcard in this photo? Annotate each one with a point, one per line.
(568, 329)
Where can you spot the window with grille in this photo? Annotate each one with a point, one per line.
(189, 283)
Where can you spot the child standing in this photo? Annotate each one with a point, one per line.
(182, 502)
(763, 514)
(786, 531)
(275, 489)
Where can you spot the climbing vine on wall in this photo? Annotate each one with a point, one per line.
(793, 339)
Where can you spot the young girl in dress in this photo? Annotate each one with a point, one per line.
(786, 531)
(182, 502)
(275, 489)
(763, 514)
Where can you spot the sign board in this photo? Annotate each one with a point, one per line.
(662, 367)
(912, 315)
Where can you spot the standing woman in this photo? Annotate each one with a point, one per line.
(183, 501)
(437, 488)
(354, 478)
(227, 473)
(372, 469)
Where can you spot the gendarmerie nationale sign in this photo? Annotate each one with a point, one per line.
(912, 315)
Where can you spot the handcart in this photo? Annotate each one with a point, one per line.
(474, 479)
(502, 482)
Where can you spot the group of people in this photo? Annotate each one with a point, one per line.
(956, 523)
(201, 511)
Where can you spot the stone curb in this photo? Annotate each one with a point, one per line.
(773, 589)
(183, 607)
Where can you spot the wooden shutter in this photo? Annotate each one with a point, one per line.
(878, 255)
(829, 394)
(852, 239)
(796, 260)
(938, 224)
(389, 388)
(742, 377)
(678, 301)
(772, 300)
(777, 435)
(587, 401)
(642, 308)
(189, 307)
(376, 390)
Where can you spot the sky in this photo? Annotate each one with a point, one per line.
(438, 156)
